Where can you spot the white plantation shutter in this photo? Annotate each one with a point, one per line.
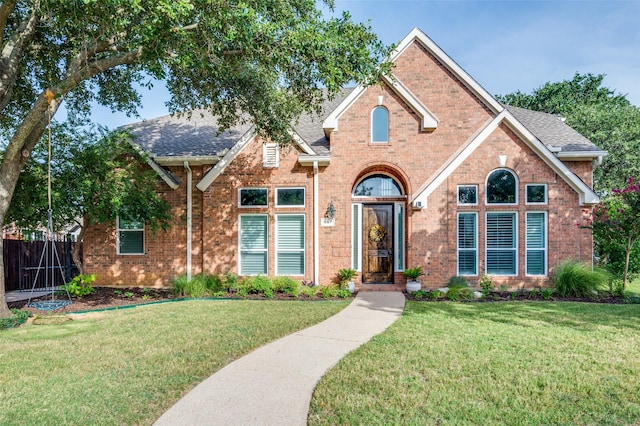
(467, 244)
(290, 244)
(501, 244)
(399, 234)
(536, 243)
(270, 155)
(253, 244)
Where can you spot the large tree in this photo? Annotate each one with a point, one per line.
(606, 118)
(264, 60)
(95, 178)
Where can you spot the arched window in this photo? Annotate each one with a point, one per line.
(502, 187)
(380, 125)
(378, 186)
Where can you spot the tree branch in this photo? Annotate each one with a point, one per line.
(5, 10)
(12, 52)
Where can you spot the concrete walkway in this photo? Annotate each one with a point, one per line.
(273, 385)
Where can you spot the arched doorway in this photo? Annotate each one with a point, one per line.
(378, 228)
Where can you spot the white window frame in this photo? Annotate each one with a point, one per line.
(388, 126)
(475, 241)
(118, 231)
(304, 197)
(270, 155)
(302, 250)
(545, 250)
(240, 248)
(516, 241)
(486, 188)
(260, 206)
(466, 186)
(540, 203)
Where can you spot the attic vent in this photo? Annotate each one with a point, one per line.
(270, 155)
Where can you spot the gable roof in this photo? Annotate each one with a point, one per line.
(585, 193)
(552, 131)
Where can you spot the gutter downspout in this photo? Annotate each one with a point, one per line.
(316, 226)
(189, 217)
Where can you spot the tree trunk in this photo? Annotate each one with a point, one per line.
(75, 253)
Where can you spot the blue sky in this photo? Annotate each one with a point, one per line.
(505, 45)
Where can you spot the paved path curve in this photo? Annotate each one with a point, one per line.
(273, 385)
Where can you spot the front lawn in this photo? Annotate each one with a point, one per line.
(491, 363)
(129, 366)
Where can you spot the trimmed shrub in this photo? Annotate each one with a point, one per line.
(576, 279)
(457, 281)
(286, 285)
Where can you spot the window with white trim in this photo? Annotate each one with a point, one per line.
(467, 244)
(290, 239)
(380, 125)
(356, 237)
(253, 197)
(254, 239)
(289, 197)
(536, 193)
(130, 236)
(467, 195)
(536, 255)
(502, 187)
(270, 155)
(501, 243)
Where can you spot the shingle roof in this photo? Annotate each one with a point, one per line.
(309, 126)
(552, 131)
(179, 136)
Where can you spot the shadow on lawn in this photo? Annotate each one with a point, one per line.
(585, 316)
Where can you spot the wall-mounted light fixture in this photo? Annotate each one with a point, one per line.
(331, 211)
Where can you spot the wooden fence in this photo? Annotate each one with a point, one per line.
(28, 266)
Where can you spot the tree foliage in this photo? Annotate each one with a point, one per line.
(607, 119)
(94, 179)
(616, 224)
(260, 60)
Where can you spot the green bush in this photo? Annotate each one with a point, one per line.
(576, 279)
(286, 285)
(328, 291)
(19, 316)
(195, 287)
(230, 282)
(80, 285)
(309, 291)
(486, 285)
(456, 293)
(457, 281)
(213, 284)
(258, 285)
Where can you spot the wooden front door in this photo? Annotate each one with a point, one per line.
(377, 241)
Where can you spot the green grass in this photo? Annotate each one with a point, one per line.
(483, 363)
(129, 366)
(633, 288)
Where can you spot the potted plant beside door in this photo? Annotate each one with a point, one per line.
(412, 274)
(346, 276)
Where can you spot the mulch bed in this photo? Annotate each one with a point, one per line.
(103, 298)
(110, 298)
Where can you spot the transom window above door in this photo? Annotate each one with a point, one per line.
(377, 186)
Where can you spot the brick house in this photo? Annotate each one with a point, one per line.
(425, 169)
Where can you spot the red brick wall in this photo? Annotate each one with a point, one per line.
(411, 157)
